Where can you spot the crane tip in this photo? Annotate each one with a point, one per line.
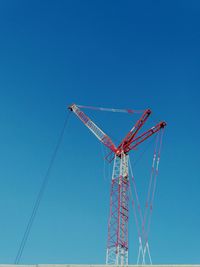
(70, 107)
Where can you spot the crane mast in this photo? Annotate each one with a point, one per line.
(117, 241)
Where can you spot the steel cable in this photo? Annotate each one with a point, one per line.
(40, 194)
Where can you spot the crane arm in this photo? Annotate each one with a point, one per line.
(138, 140)
(104, 138)
(130, 136)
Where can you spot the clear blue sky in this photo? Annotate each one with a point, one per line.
(125, 54)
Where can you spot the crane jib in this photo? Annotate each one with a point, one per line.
(131, 141)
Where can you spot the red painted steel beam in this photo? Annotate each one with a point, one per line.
(133, 132)
(140, 139)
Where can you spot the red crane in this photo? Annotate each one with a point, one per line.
(117, 243)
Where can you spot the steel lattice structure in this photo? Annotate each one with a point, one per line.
(117, 247)
(117, 242)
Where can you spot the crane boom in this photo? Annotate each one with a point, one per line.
(135, 129)
(138, 140)
(104, 138)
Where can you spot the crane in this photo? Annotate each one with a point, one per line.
(117, 241)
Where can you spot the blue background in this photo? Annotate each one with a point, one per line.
(121, 54)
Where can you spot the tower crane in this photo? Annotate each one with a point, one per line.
(117, 241)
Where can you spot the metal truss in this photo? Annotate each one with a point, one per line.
(117, 245)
